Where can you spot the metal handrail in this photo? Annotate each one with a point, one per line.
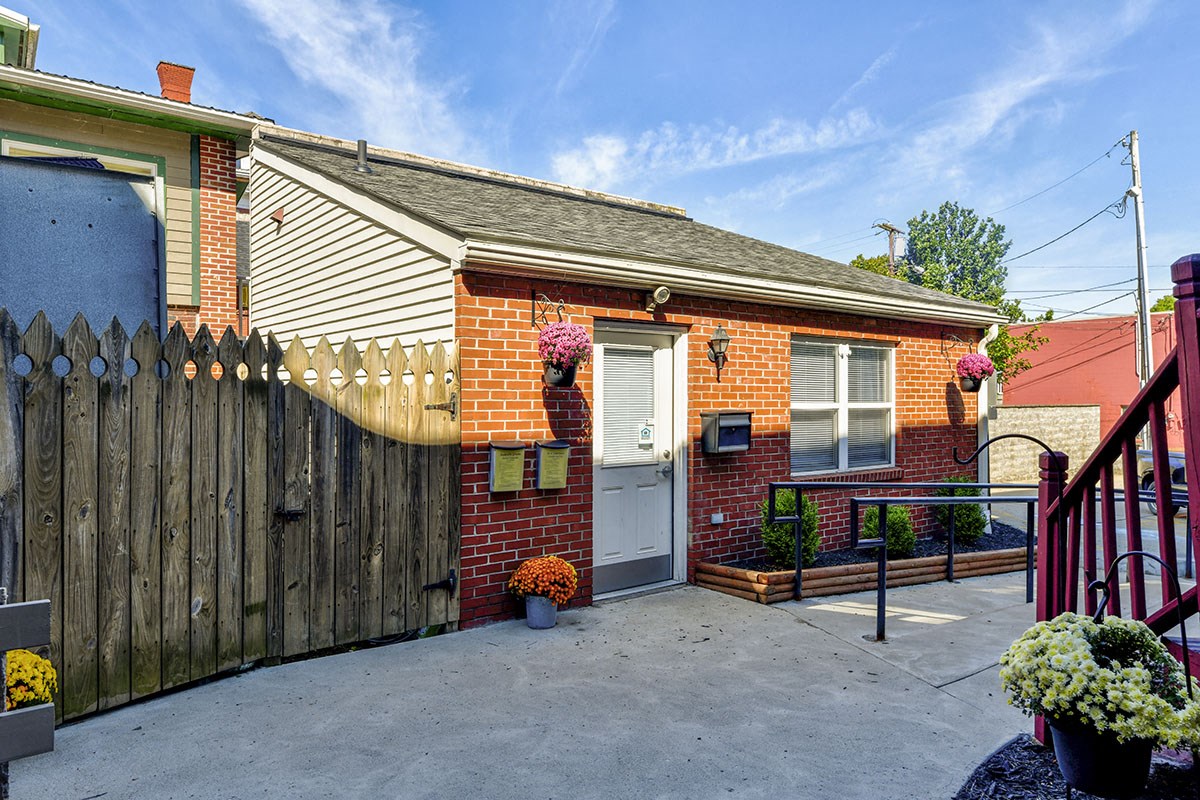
(1104, 585)
(880, 542)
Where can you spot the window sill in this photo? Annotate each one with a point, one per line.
(874, 475)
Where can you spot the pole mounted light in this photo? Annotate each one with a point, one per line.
(717, 345)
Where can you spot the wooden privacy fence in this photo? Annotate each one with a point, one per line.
(193, 506)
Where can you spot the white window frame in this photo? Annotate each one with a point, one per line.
(147, 168)
(842, 406)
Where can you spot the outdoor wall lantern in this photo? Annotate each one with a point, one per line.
(717, 346)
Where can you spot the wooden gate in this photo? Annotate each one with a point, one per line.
(192, 506)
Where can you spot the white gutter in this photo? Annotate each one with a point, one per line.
(125, 99)
(509, 258)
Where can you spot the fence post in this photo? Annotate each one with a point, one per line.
(1051, 555)
(1185, 273)
(1050, 559)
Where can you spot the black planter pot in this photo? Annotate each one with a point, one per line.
(559, 377)
(970, 384)
(1096, 763)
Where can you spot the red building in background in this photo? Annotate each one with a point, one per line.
(1093, 361)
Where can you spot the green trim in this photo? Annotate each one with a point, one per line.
(195, 219)
(28, 138)
(67, 103)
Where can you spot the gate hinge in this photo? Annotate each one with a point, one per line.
(448, 583)
(450, 405)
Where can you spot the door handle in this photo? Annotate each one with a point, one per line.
(666, 470)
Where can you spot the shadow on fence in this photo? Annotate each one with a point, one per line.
(192, 506)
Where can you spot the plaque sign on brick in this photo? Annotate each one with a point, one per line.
(506, 466)
(553, 456)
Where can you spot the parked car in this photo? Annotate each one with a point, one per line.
(1146, 471)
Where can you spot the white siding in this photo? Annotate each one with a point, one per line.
(330, 271)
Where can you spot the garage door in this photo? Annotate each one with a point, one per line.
(74, 239)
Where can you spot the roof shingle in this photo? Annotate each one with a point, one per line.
(479, 207)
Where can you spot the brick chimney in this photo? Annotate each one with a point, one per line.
(175, 81)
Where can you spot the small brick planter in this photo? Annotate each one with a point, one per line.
(776, 587)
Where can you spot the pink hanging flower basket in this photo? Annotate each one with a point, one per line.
(972, 369)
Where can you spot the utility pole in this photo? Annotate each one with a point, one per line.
(892, 232)
(1145, 362)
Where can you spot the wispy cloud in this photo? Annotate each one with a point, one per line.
(605, 15)
(603, 161)
(367, 54)
(871, 73)
(1054, 57)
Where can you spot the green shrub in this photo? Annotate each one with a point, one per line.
(780, 539)
(969, 520)
(901, 539)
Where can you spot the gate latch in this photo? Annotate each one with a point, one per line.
(448, 583)
(450, 405)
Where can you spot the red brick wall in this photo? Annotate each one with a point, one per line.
(503, 398)
(218, 235)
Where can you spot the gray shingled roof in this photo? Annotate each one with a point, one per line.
(489, 208)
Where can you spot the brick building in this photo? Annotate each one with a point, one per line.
(118, 203)
(1094, 362)
(845, 374)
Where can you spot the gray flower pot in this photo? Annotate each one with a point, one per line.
(540, 613)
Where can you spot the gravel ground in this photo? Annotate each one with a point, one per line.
(1002, 537)
(1024, 770)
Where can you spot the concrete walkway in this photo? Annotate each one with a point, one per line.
(682, 694)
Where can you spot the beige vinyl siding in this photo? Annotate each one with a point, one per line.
(330, 271)
(175, 147)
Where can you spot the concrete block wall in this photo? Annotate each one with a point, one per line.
(1075, 430)
(504, 398)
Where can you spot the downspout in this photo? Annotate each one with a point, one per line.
(982, 409)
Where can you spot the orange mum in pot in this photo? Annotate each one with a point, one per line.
(545, 576)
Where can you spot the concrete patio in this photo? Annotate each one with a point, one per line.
(682, 694)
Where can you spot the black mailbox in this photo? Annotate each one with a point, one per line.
(725, 431)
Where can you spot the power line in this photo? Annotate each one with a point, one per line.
(1070, 314)
(1064, 180)
(1087, 266)
(839, 247)
(833, 238)
(1119, 205)
(1104, 287)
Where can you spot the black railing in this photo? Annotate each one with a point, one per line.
(879, 543)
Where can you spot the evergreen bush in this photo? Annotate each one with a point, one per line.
(779, 538)
(969, 520)
(901, 539)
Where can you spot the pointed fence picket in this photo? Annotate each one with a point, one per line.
(190, 506)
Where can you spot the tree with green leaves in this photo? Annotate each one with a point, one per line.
(954, 251)
(1164, 303)
(876, 264)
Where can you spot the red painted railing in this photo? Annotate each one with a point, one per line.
(1068, 523)
(1068, 518)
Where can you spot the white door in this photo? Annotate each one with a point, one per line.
(634, 471)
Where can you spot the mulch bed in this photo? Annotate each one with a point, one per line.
(1002, 537)
(1024, 770)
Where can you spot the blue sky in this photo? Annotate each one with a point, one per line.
(799, 123)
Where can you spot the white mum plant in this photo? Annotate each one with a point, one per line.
(1113, 675)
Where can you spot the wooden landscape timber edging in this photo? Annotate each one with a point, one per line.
(776, 587)
(193, 506)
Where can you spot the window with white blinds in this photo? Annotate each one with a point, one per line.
(628, 403)
(842, 406)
